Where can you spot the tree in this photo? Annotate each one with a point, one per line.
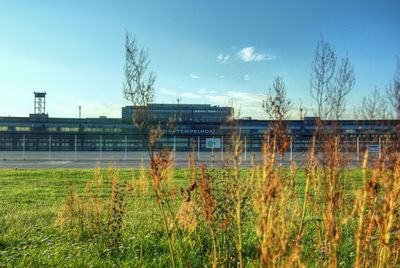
(138, 87)
(343, 83)
(393, 92)
(236, 109)
(329, 85)
(374, 106)
(277, 105)
(322, 73)
(139, 83)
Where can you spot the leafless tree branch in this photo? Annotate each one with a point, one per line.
(374, 106)
(322, 73)
(139, 83)
(276, 104)
(138, 88)
(343, 83)
(393, 91)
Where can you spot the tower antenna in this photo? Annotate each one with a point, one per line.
(40, 103)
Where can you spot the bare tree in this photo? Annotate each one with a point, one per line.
(277, 105)
(393, 92)
(139, 83)
(343, 83)
(374, 106)
(236, 108)
(138, 88)
(322, 74)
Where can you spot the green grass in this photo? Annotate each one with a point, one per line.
(29, 237)
(29, 203)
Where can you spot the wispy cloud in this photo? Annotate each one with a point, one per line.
(246, 77)
(219, 75)
(194, 76)
(248, 54)
(167, 92)
(206, 91)
(191, 95)
(221, 58)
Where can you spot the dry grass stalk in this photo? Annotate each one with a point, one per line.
(378, 211)
(209, 208)
(332, 191)
(161, 170)
(86, 217)
(116, 212)
(187, 214)
(275, 222)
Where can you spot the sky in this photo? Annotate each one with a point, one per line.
(202, 51)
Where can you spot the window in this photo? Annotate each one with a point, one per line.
(93, 129)
(113, 129)
(3, 128)
(69, 129)
(22, 128)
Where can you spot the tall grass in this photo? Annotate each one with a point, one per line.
(266, 215)
(85, 216)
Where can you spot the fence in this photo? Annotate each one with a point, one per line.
(119, 148)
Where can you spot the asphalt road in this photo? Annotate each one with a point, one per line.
(44, 160)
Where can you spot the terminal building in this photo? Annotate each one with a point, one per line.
(179, 113)
(198, 126)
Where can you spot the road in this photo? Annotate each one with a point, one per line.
(44, 160)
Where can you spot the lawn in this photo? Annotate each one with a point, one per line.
(188, 218)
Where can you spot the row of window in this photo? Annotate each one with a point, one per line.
(187, 111)
(120, 130)
(64, 129)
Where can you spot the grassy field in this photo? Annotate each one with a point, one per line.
(197, 217)
(30, 201)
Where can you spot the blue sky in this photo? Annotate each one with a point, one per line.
(202, 51)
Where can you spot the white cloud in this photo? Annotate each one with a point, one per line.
(248, 54)
(246, 77)
(191, 95)
(194, 76)
(221, 58)
(167, 92)
(219, 75)
(206, 91)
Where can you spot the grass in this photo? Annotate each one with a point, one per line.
(29, 204)
(321, 215)
(30, 201)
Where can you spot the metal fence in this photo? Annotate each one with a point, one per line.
(110, 149)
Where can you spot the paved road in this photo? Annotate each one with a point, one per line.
(131, 159)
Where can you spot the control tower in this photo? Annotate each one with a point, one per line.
(40, 103)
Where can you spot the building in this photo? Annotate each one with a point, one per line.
(39, 133)
(203, 126)
(197, 113)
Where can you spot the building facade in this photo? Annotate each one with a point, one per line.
(195, 113)
(43, 133)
